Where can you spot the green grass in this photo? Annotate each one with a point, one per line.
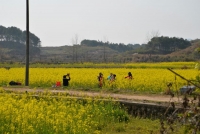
(140, 126)
(177, 65)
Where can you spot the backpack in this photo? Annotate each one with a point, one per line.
(14, 83)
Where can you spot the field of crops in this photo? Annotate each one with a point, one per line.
(47, 114)
(151, 80)
(175, 65)
(61, 114)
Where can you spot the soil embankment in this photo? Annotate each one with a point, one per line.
(126, 97)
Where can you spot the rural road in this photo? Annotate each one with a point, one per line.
(126, 97)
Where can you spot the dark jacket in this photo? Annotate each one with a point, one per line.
(66, 80)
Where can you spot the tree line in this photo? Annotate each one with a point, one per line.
(120, 47)
(157, 45)
(14, 34)
(166, 45)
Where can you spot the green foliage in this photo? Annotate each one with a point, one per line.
(166, 45)
(17, 49)
(115, 46)
(14, 34)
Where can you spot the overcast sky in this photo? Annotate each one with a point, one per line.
(57, 22)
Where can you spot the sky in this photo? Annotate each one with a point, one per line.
(65, 22)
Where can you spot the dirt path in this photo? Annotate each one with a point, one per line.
(126, 97)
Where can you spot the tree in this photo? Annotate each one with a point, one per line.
(152, 35)
(104, 48)
(75, 46)
(2, 33)
(166, 45)
(14, 34)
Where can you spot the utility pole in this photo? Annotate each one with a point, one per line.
(27, 44)
(104, 53)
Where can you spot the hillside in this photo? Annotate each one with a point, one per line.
(77, 53)
(15, 52)
(189, 50)
(162, 48)
(187, 54)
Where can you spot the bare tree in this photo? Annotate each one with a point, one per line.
(104, 48)
(152, 34)
(75, 45)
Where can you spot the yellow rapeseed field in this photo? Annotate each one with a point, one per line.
(145, 80)
(55, 114)
(44, 114)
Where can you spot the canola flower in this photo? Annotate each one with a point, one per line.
(49, 114)
(145, 80)
(175, 65)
